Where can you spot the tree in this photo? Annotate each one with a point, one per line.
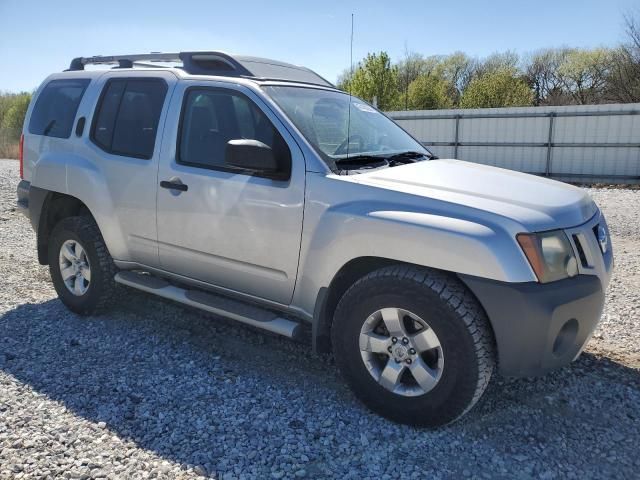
(584, 74)
(544, 79)
(14, 112)
(624, 75)
(410, 68)
(375, 77)
(343, 80)
(458, 70)
(500, 88)
(553, 76)
(428, 92)
(497, 62)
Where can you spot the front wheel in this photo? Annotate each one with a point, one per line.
(414, 345)
(81, 268)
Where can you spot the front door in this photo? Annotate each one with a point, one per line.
(220, 224)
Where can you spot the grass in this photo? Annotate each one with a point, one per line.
(9, 150)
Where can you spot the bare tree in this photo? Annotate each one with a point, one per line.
(542, 75)
(633, 30)
(409, 68)
(508, 60)
(624, 79)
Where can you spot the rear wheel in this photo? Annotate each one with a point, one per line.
(414, 345)
(81, 268)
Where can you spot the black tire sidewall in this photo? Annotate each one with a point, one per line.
(455, 389)
(74, 228)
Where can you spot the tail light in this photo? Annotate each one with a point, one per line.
(21, 155)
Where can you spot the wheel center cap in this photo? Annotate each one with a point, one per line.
(400, 352)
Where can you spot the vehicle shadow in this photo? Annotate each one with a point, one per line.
(195, 390)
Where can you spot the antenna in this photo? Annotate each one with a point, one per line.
(350, 83)
(351, 52)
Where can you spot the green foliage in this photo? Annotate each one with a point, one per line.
(553, 76)
(13, 109)
(429, 92)
(458, 70)
(409, 68)
(375, 77)
(500, 88)
(13, 117)
(584, 73)
(498, 62)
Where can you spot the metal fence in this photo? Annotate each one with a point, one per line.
(590, 143)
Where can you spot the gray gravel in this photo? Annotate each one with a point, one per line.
(153, 390)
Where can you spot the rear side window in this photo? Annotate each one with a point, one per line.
(56, 107)
(127, 117)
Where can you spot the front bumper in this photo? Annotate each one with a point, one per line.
(542, 326)
(539, 327)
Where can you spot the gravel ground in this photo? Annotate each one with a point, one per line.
(153, 390)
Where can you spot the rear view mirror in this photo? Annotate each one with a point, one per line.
(254, 156)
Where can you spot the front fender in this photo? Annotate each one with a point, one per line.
(375, 229)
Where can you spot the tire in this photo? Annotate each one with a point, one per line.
(459, 359)
(94, 295)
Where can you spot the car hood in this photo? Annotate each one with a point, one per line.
(535, 202)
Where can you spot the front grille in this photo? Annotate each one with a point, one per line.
(592, 258)
(583, 257)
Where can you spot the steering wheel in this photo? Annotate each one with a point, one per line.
(342, 148)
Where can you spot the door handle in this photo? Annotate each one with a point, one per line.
(80, 126)
(174, 184)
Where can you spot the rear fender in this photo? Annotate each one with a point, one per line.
(77, 177)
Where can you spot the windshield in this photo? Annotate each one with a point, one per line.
(339, 128)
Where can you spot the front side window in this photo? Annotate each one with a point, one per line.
(56, 108)
(212, 117)
(127, 118)
(341, 127)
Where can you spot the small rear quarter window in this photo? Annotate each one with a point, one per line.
(56, 107)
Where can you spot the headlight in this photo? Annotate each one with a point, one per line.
(550, 255)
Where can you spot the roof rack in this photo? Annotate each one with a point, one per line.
(211, 63)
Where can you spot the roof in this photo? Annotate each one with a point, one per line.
(210, 63)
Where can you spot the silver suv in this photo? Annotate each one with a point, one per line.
(255, 190)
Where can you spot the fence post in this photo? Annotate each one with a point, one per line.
(547, 170)
(455, 141)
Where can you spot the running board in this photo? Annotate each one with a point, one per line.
(210, 302)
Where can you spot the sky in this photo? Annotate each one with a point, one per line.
(38, 37)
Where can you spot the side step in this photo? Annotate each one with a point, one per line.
(217, 304)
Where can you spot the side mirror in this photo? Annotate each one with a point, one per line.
(252, 155)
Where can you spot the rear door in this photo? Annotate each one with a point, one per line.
(228, 227)
(49, 124)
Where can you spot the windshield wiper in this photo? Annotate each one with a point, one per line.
(364, 162)
(410, 155)
(361, 161)
(49, 127)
